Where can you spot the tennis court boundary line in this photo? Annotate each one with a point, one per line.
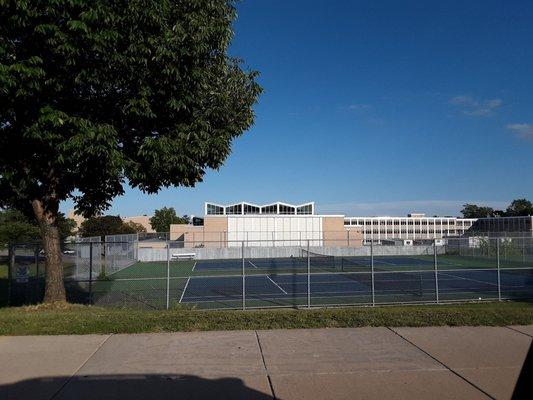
(279, 287)
(184, 289)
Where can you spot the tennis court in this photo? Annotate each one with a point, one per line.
(355, 288)
(351, 263)
(317, 262)
(284, 282)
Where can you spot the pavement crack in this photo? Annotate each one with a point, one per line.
(265, 366)
(441, 363)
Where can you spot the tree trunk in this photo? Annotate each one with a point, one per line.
(47, 218)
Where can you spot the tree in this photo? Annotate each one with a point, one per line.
(97, 93)
(475, 211)
(135, 227)
(164, 217)
(104, 225)
(15, 228)
(520, 207)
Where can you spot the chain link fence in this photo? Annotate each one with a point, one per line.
(166, 275)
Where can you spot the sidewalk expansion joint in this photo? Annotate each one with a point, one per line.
(80, 367)
(265, 366)
(441, 363)
(517, 331)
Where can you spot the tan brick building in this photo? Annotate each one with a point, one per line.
(276, 224)
(144, 220)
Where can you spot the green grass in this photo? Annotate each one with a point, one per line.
(75, 319)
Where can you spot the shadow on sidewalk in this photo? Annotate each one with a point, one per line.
(524, 385)
(153, 386)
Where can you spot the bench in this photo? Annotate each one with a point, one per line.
(184, 256)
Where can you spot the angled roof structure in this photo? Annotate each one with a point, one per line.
(244, 208)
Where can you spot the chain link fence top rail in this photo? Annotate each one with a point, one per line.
(117, 273)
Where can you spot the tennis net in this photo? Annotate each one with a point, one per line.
(321, 261)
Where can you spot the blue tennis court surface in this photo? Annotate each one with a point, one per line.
(289, 263)
(349, 288)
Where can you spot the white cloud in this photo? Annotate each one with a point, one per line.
(359, 107)
(463, 100)
(523, 131)
(475, 107)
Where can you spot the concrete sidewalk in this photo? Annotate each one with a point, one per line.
(358, 363)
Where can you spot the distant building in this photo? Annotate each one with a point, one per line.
(273, 224)
(415, 226)
(143, 220)
(508, 226)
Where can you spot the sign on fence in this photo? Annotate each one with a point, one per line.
(21, 274)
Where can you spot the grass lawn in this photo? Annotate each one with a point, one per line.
(76, 319)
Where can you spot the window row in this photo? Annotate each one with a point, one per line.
(237, 209)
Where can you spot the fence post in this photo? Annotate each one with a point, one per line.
(36, 259)
(498, 266)
(436, 270)
(372, 272)
(136, 249)
(308, 277)
(168, 274)
(523, 249)
(243, 278)
(90, 272)
(10, 270)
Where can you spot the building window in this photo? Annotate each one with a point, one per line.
(286, 210)
(249, 209)
(213, 209)
(305, 210)
(271, 209)
(234, 209)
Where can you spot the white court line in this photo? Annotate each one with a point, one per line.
(185, 288)
(194, 266)
(279, 287)
(469, 279)
(384, 262)
(253, 265)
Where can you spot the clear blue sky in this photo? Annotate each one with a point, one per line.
(377, 107)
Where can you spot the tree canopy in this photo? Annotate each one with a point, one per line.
(16, 228)
(475, 211)
(105, 225)
(518, 207)
(164, 217)
(135, 227)
(96, 94)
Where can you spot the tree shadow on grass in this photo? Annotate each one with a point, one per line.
(136, 387)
